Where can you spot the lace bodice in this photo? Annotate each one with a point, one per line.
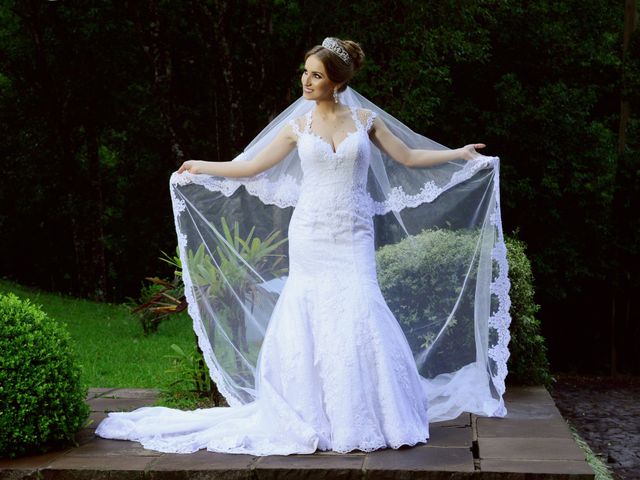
(335, 180)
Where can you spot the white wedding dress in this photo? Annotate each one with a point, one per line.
(335, 371)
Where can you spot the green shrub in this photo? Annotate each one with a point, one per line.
(528, 363)
(411, 274)
(42, 403)
(418, 264)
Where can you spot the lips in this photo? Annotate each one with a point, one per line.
(307, 90)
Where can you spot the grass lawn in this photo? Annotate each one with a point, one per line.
(111, 348)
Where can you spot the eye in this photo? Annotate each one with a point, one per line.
(317, 76)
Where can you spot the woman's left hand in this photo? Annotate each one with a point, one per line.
(468, 152)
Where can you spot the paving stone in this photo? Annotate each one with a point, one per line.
(32, 462)
(133, 393)
(202, 464)
(462, 420)
(511, 448)
(96, 418)
(98, 392)
(73, 467)
(89, 474)
(579, 470)
(309, 467)
(419, 459)
(112, 448)
(85, 436)
(510, 427)
(105, 404)
(450, 436)
(241, 474)
(332, 453)
(532, 410)
(529, 394)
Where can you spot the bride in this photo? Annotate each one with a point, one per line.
(298, 337)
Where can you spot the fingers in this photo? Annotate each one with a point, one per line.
(479, 145)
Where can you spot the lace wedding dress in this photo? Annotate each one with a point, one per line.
(285, 281)
(335, 371)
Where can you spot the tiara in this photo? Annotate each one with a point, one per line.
(332, 44)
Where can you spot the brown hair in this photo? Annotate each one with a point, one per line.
(337, 70)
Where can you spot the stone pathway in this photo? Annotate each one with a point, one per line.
(532, 442)
(606, 414)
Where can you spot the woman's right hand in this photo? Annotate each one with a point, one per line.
(191, 166)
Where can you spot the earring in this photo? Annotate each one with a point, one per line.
(335, 95)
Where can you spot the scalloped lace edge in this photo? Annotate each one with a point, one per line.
(500, 320)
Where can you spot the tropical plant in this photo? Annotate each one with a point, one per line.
(191, 384)
(226, 276)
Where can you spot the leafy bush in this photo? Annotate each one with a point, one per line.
(528, 363)
(423, 263)
(41, 399)
(419, 263)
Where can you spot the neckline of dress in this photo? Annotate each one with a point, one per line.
(332, 148)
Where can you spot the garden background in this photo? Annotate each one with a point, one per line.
(101, 101)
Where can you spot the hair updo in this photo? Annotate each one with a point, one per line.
(337, 70)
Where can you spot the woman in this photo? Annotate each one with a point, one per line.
(334, 369)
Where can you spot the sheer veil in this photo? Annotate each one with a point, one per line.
(440, 252)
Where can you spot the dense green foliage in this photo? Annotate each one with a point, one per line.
(42, 401)
(421, 263)
(528, 363)
(425, 263)
(98, 104)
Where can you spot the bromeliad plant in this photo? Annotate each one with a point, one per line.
(161, 298)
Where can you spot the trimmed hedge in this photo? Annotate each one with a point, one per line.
(42, 403)
(416, 264)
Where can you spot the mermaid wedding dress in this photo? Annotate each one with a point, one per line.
(335, 371)
(298, 336)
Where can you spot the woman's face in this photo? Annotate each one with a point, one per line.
(315, 82)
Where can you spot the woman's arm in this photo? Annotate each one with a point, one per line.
(398, 150)
(269, 156)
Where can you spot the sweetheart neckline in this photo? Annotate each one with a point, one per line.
(328, 145)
